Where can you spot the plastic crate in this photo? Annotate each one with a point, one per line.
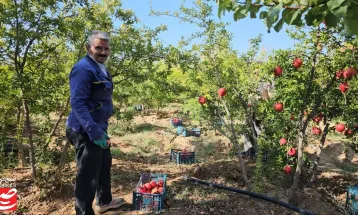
(186, 132)
(181, 157)
(180, 129)
(195, 132)
(175, 121)
(138, 107)
(352, 200)
(146, 202)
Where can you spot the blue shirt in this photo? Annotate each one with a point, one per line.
(91, 99)
(101, 66)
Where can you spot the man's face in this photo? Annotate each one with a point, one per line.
(99, 50)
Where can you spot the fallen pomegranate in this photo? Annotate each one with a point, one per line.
(340, 127)
(348, 132)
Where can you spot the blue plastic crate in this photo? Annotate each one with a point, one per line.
(186, 132)
(179, 121)
(180, 129)
(195, 132)
(149, 202)
(352, 200)
(179, 157)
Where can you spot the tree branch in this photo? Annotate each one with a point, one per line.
(17, 40)
(299, 7)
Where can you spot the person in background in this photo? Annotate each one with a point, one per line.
(91, 90)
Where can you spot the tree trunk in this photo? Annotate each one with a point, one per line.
(293, 197)
(318, 155)
(241, 160)
(30, 139)
(58, 121)
(62, 161)
(19, 132)
(302, 133)
(235, 143)
(158, 108)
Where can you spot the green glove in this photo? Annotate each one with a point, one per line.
(106, 136)
(101, 142)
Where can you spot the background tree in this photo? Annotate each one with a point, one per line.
(296, 13)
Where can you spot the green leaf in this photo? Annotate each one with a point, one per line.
(240, 13)
(253, 11)
(279, 25)
(263, 14)
(287, 15)
(221, 9)
(294, 16)
(350, 25)
(222, 6)
(315, 16)
(333, 4)
(331, 19)
(341, 11)
(273, 15)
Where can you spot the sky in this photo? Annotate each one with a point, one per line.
(242, 30)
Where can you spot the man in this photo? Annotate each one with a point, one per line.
(91, 90)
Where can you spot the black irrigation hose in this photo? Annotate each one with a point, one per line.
(256, 195)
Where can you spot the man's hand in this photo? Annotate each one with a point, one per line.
(103, 142)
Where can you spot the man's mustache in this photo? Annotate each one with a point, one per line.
(102, 55)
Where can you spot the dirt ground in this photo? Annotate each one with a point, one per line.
(147, 150)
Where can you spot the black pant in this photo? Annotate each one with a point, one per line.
(93, 173)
